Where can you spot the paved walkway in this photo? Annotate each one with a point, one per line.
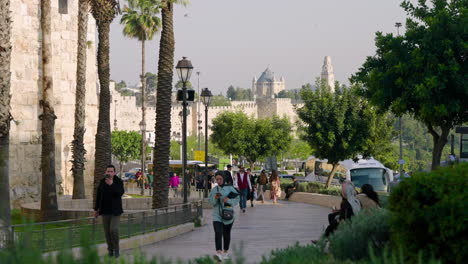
(261, 229)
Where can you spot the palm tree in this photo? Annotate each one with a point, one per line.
(141, 22)
(163, 105)
(104, 11)
(80, 104)
(49, 207)
(5, 115)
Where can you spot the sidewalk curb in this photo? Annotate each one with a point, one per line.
(136, 241)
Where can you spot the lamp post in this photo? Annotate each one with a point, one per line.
(115, 115)
(184, 70)
(143, 155)
(198, 111)
(206, 95)
(401, 161)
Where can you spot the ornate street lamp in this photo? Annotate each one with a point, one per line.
(206, 96)
(184, 71)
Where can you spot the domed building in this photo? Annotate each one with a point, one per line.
(267, 86)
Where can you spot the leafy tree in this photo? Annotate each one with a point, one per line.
(120, 85)
(238, 134)
(341, 125)
(151, 82)
(423, 72)
(219, 100)
(151, 86)
(126, 146)
(179, 85)
(284, 94)
(239, 94)
(299, 149)
(231, 93)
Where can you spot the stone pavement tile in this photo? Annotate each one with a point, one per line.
(260, 230)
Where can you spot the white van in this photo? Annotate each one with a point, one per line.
(369, 171)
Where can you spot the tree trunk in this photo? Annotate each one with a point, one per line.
(163, 109)
(5, 116)
(78, 148)
(332, 173)
(49, 207)
(439, 142)
(143, 132)
(103, 135)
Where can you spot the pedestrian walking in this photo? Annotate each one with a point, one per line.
(109, 206)
(244, 186)
(174, 182)
(228, 180)
(275, 189)
(261, 183)
(253, 184)
(223, 198)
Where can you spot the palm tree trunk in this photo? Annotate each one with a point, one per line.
(143, 132)
(78, 148)
(49, 207)
(103, 136)
(163, 108)
(5, 116)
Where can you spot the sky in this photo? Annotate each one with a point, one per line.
(231, 41)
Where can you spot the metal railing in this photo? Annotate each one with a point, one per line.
(56, 235)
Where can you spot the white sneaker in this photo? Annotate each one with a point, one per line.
(227, 256)
(219, 257)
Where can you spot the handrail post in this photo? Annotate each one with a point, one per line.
(43, 238)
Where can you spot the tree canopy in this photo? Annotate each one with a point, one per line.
(126, 145)
(239, 94)
(236, 133)
(341, 125)
(423, 72)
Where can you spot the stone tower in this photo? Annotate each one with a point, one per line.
(267, 85)
(327, 73)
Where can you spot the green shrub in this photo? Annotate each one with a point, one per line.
(429, 213)
(296, 254)
(353, 238)
(333, 190)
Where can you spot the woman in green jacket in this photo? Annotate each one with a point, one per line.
(222, 197)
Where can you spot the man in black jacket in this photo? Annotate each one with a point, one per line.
(109, 205)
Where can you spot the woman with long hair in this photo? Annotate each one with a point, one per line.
(368, 197)
(275, 189)
(223, 198)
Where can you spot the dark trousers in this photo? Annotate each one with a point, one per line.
(289, 192)
(222, 232)
(243, 198)
(111, 230)
(333, 224)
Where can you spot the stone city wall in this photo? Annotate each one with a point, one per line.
(25, 142)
